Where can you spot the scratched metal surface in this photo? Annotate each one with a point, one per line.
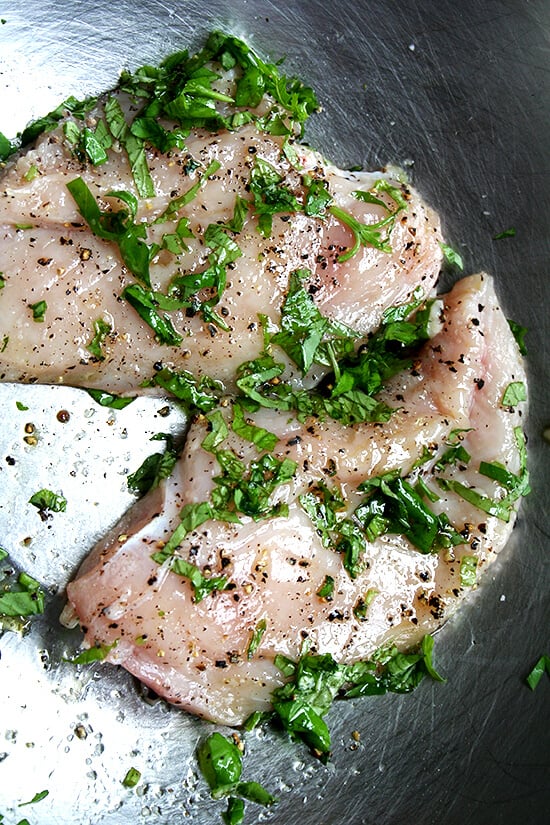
(459, 93)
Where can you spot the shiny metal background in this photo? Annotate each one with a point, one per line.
(457, 92)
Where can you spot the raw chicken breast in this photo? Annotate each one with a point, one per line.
(197, 654)
(48, 253)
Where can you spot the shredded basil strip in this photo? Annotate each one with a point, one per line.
(143, 301)
(452, 256)
(107, 399)
(134, 146)
(220, 762)
(514, 394)
(132, 778)
(468, 571)
(537, 672)
(154, 469)
(38, 310)
(47, 501)
(25, 598)
(101, 330)
(315, 680)
(96, 653)
(515, 485)
(256, 638)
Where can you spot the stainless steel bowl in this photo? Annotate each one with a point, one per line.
(458, 93)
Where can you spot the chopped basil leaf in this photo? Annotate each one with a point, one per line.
(38, 310)
(26, 598)
(46, 501)
(133, 145)
(271, 195)
(361, 608)
(97, 653)
(519, 334)
(220, 762)
(393, 506)
(261, 438)
(31, 173)
(514, 393)
(256, 638)
(305, 333)
(217, 431)
(50, 121)
(455, 454)
(423, 490)
(117, 226)
(234, 815)
(132, 778)
(537, 672)
(145, 305)
(182, 200)
(202, 586)
(38, 797)
(507, 233)
(7, 148)
(93, 146)
(152, 471)
(101, 330)
(365, 234)
(327, 589)
(5, 342)
(468, 571)
(516, 485)
(452, 256)
(107, 399)
(2, 281)
(194, 392)
(20, 406)
(316, 680)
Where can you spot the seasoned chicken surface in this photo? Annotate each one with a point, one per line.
(195, 653)
(355, 456)
(48, 253)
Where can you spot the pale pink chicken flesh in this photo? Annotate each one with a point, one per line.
(195, 654)
(48, 253)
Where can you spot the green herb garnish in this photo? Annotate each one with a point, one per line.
(220, 762)
(48, 502)
(101, 330)
(452, 256)
(507, 233)
(132, 778)
(153, 470)
(468, 571)
(536, 674)
(38, 310)
(514, 394)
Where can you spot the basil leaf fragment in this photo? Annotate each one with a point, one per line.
(220, 762)
(315, 680)
(452, 256)
(38, 310)
(152, 471)
(506, 233)
(23, 599)
(132, 778)
(46, 501)
(515, 485)
(101, 330)
(107, 399)
(536, 674)
(468, 571)
(38, 797)
(514, 394)
(519, 334)
(96, 653)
